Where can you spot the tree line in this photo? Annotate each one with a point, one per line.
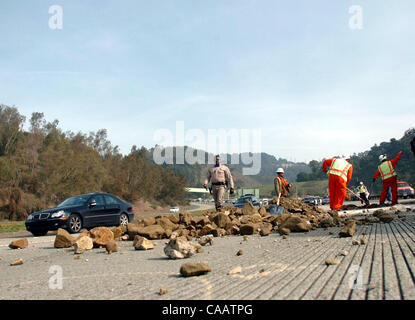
(43, 165)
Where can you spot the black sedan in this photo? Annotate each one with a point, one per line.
(242, 200)
(83, 211)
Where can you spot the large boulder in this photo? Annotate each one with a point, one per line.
(166, 224)
(63, 239)
(111, 246)
(19, 244)
(82, 244)
(247, 229)
(249, 209)
(185, 218)
(221, 219)
(143, 244)
(133, 229)
(154, 231)
(148, 221)
(101, 236)
(118, 232)
(194, 269)
(349, 229)
(179, 248)
(296, 224)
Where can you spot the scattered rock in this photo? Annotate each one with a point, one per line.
(17, 262)
(143, 244)
(194, 269)
(344, 253)
(362, 241)
(101, 236)
(247, 229)
(385, 217)
(19, 244)
(163, 291)
(284, 231)
(249, 209)
(240, 252)
(246, 238)
(285, 236)
(205, 240)
(118, 232)
(82, 244)
(63, 239)
(349, 230)
(355, 242)
(332, 261)
(111, 246)
(154, 232)
(235, 270)
(180, 248)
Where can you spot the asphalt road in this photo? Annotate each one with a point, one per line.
(271, 268)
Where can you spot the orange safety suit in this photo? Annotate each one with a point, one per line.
(389, 179)
(338, 181)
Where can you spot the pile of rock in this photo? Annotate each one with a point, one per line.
(298, 217)
(100, 237)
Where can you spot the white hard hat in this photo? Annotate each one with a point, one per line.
(382, 157)
(280, 170)
(361, 182)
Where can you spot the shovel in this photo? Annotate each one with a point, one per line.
(355, 194)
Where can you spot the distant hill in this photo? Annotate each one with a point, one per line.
(195, 174)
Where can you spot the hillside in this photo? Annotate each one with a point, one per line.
(195, 173)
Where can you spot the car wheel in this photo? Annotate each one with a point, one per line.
(40, 233)
(123, 220)
(74, 223)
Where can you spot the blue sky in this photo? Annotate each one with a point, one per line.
(293, 69)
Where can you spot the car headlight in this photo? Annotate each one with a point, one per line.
(30, 217)
(58, 214)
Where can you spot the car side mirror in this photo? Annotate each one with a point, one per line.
(92, 204)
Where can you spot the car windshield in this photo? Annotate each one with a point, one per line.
(74, 201)
(402, 184)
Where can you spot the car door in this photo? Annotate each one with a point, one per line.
(112, 210)
(95, 214)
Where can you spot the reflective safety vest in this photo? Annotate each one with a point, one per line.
(283, 186)
(386, 170)
(339, 167)
(362, 189)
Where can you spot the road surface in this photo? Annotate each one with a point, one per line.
(271, 268)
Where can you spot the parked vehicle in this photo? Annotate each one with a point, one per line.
(242, 200)
(313, 200)
(83, 211)
(405, 190)
(325, 199)
(174, 209)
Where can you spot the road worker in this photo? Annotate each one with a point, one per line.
(340, 172)
(281, 186)
(219, 176)
(386, 170)
(363, 193)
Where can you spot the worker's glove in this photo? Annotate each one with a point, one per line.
(231, 191)
(205, 186)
